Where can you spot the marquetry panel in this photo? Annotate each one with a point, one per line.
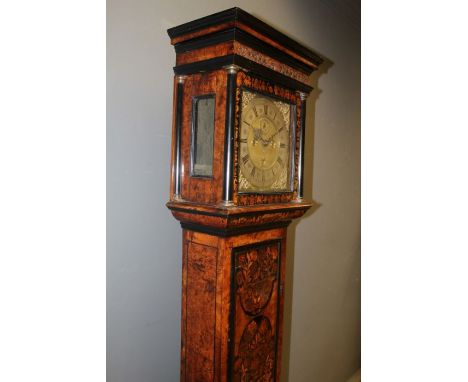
(254, 319)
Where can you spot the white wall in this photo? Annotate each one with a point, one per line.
(144, 241)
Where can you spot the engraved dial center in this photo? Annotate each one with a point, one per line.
(263, 143)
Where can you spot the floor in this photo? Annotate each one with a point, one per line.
(356, 377)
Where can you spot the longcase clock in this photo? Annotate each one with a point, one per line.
(240, 91)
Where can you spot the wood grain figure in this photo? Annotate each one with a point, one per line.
(234, 241)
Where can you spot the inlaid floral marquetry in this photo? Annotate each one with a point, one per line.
(255, 361)
(256, 271)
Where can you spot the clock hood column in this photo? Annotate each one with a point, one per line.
(178, 132)
(229, 139)
(300, 172)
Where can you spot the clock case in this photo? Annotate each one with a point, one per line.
(228, 234)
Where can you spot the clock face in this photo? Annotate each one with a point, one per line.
(264, 144)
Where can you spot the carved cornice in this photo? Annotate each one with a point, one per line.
(239, 22)
(269, 62)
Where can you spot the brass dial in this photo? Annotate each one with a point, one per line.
(264, 146)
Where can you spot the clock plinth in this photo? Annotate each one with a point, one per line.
(240, 90)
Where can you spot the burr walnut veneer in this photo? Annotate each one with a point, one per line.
(240, 90)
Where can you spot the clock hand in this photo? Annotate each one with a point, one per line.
(277, 132)
(258, 137)
(257, 134)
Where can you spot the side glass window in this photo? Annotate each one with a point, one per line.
(203, 116)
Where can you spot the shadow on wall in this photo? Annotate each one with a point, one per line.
(308, 187)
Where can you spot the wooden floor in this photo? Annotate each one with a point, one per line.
(356, 377)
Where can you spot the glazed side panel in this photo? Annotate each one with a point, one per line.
(203, 189)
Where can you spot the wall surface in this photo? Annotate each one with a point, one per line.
(322, 329)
